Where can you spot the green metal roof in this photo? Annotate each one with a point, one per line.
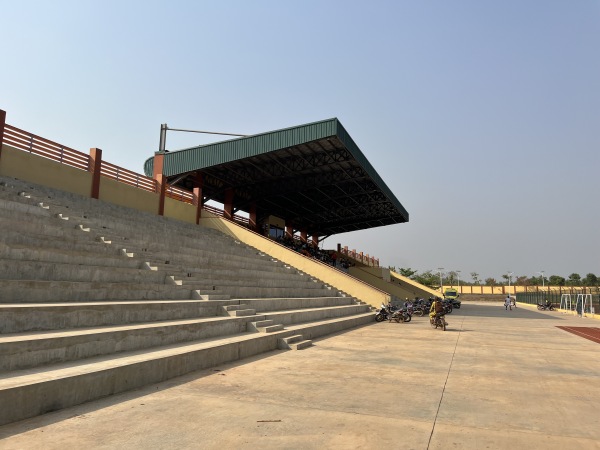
(312, 174)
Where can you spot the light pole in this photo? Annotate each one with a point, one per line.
(509, 275)
(542, 274)
(458, 277)
(441, 284)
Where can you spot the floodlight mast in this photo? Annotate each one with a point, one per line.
(164, 128)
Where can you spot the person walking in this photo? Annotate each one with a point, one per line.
(507, 303)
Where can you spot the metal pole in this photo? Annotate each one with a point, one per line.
(458, 276)
(509, 275)
(163, 137)
(441, 283)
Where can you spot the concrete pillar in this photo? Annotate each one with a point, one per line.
(315, 240)
(2, 123)
(94, 168)
(197, 195)
(252, 217)
(228, 204)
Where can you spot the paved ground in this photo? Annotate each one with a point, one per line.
(496, 379)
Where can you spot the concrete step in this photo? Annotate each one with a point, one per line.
(25, 351)
(314, 314)
(33, 291)
(37, 391)
(77, 271)
(288, 303)
(20, 318)
(295, 342)
(265, 326)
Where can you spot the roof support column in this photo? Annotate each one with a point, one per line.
(95, 162)
(161, 183)
(228, 204)
(289, 230)
(252, 217)
(315, 240)
(303, 235)
(197, 195)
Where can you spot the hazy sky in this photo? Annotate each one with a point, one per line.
(483, 117)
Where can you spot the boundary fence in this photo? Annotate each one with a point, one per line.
(533, 298)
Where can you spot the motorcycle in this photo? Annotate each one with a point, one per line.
(401, 315)
(447, 306)
(438, 321)
(545, 307)
(382, 314)
(389, 313)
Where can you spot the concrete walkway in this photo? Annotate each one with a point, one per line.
(496, 379)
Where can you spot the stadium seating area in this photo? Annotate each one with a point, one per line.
(97, 299)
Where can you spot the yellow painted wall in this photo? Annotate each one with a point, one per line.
(327, 274)
(113, 191)
(180, 210)
(37, 169)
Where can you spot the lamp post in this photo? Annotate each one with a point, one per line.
(542, 274)
(509, 275)
(458, 277)
(441, 283)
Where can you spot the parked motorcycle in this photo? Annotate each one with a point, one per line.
(447, 306)
(545, 307)
(382, 313)
(402, 315)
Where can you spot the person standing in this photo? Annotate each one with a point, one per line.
(507, 303)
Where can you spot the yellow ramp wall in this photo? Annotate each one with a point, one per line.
(333, 277)
(378, 276)
(398, 285)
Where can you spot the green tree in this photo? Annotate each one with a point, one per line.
(491, 281)
(574, 279)
(522, 280)
(590, 280)
(428, 278)
(556, 280)
(475, 277)
(408, 272)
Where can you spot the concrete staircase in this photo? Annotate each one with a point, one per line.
(97, 299)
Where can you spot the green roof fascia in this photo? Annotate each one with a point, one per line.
(202, 156)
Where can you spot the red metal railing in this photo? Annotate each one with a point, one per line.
(127, 176)
(179, 194)
(365, 259)
(37, 145)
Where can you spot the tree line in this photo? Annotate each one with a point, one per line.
(431, 279)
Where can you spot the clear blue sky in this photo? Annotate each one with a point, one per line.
(482, 117)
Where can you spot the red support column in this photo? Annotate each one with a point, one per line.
(161, 183)
(303, 236)
(315, 240)
(197, 195)
(252, 217)
(289, 230)
(161, 188)
(228, 204)
(2, 123)
(94, 168)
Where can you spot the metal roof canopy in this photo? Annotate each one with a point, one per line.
(313, 175)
